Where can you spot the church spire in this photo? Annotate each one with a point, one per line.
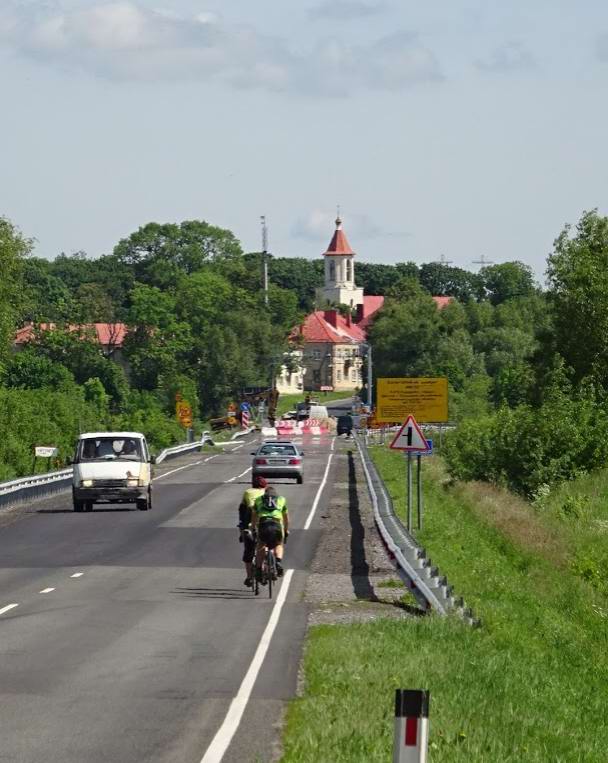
(339, 243)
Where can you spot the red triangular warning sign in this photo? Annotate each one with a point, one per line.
(410, 437)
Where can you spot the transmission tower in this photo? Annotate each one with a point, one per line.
(443, 261)
(483, 262)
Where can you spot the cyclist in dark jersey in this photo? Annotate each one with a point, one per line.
(246, 536)
(271, 520)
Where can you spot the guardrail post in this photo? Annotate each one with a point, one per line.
(411, 726)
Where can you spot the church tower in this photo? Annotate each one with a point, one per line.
(339, 274)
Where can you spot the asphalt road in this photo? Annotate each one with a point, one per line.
(133, 631)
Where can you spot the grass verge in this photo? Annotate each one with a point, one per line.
(529, 685)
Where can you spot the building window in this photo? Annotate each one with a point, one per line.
(316, 354)
(353, 374)
(338, 375)
(349, 270)
(332, 270)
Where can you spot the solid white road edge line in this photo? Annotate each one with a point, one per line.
(318, 495)
(179, 468)
(238, 476)
(46, 590)
(211, 457)
(221, 741)
(8, 608)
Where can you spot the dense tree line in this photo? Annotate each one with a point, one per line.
(527, 369)
(514, 354)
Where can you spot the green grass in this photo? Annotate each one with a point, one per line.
(528, 685)
(288, 402)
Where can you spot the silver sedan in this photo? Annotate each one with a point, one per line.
(278, 458)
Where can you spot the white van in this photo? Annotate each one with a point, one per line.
(318, 412)
(112, 467)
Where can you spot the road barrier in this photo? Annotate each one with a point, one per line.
(178, 450)
(35, 486)
(431, 589)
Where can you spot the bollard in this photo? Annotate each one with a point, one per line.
(411, 726)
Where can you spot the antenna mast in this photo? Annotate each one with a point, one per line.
(265, 256)
(443, 261)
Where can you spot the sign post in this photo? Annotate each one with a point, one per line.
(411, 440)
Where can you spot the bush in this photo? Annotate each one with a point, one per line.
(525, 448)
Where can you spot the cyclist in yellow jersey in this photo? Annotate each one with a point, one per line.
(271, 520)
(246, 536)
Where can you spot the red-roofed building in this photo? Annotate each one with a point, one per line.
(110, 336)
(332, 346)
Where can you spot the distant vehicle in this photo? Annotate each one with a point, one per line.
(278, 458)
(318, 412)
(345, 425)
(112, 467)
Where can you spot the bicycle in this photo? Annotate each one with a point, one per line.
(268, 573)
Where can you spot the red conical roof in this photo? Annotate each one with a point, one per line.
(339, 243)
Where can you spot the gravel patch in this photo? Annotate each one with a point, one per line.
(351, 568)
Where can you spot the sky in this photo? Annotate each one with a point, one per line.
(466, 128)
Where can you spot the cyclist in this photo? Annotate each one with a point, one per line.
(246, 536)
(271, 520)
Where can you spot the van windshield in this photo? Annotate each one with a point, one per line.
(110, 449)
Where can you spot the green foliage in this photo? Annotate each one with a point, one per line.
(507, 280)
(578, 279)
(525, 448)
(13, 250)
(30, 370)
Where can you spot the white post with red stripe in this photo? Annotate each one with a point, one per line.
(411, 726)
(245, 418)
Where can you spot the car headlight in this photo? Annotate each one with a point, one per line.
(133, 482)
(86, 483)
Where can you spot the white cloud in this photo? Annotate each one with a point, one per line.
(510, 57)
(319, 225)
(124, 40)
(345, 10)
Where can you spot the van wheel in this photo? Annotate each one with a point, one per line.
(300, 480)
(78, 505)
(88, 506)
(146, 503)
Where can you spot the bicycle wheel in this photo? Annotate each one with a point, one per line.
(271, 571)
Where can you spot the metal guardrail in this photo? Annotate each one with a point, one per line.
(429, 587)
(177, 450)
(37, 485)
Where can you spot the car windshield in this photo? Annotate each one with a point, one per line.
(277, 449)
(110, 449)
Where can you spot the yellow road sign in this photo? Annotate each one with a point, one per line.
(424, 398)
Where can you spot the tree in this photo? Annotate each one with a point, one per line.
(14, 248)
(578, 279)
(157, 344)
(507, 280)
(160, 253)
(445, 281)
(46, 297)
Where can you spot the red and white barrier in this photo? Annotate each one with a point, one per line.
(411, 726)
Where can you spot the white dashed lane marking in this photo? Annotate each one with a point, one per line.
(77, 575)
(238, 476)
(46, 590)
(8, 608)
